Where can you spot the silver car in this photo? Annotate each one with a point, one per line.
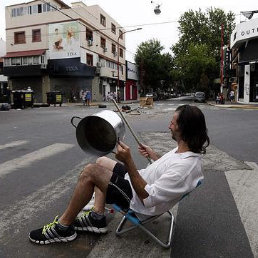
(199, 97)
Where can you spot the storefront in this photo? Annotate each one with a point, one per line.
(131, 89)
(244, 41)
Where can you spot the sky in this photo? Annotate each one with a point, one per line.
(163, 27)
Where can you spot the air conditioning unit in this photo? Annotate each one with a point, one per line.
(98, 64)
(90, 42)
(115, 53)
(105, 49)
(43, 66)
(97, 70)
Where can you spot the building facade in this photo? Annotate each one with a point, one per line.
(244, 46)
(52, 46)
(4, 92)
(132, 78)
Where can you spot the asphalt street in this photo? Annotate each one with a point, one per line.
(40, 161)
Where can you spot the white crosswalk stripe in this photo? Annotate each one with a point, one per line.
(12, 144)
(26, 160)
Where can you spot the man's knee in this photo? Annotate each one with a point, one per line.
(87, 171)
(102, 161)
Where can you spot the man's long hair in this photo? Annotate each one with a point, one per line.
(192, 126)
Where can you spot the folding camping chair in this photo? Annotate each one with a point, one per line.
(138, 223)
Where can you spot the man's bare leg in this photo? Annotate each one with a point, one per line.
(106, 162)
(92, 175)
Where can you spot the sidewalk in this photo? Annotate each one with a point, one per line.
(233, 105)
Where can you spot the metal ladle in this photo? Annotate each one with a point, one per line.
(130, 128)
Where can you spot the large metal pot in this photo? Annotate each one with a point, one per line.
(98, 134)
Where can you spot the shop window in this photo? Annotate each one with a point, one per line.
(120, 34)
(35, 60)
(30, 60)
(25, 60)
(103, 20)
(89, 58)
(36, 36)
(113, 28)
(19, 37)
(121, 52)
(7, 61)
(103, 43)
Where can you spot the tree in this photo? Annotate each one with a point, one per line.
(154, 66)
(202, 30)
(196, 67)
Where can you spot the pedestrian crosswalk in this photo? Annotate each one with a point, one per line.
(12, 144)
(25, 160)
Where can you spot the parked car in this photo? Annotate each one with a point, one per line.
(199, 97)
(149, 95)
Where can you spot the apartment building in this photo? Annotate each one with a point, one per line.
(3, 79)
(244, 45)
(52, 46)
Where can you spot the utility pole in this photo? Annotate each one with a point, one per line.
(222, 59)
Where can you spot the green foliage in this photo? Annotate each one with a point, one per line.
(197, 53)
(154, 66)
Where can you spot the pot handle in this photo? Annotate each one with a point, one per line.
(73, 119)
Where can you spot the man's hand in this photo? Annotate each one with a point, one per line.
(147, 151)
(123, 153)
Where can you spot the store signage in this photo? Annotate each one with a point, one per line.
(64, 40)
(244, 31)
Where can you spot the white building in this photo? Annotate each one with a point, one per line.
(244, 44)
(52, 46)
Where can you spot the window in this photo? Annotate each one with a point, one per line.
(46, 7)
(25, 60)
(121, 52)
(103, 20)
(36, 36)
(120, 34)
(30, 59)
(114, 49)
(103, 43)
(113, 28)
(39, 8)
(89, 34)
(19, 37)
(16, 61)
(89, 59)
(35, 60)
(29, 10)
(34, 9)
(14, 12)
(7, 61)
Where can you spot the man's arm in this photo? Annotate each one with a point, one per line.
(123, 154)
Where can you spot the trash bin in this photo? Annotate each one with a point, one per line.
(54, 97)
(23, 98)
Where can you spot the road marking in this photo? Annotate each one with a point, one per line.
(18, 214)
(26, 160)
(12, 144)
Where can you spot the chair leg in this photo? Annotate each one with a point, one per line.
(166, 244)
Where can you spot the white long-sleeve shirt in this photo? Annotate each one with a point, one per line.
(168, 179)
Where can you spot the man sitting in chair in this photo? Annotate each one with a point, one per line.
(150, 191)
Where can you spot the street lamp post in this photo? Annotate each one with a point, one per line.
(118, 53)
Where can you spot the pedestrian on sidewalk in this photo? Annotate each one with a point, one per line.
(150, 191)
(88, 97)
(232, 96)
